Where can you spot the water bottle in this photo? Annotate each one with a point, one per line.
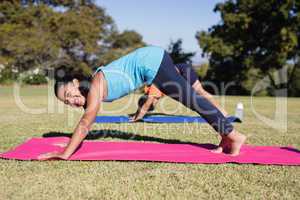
(239, 111)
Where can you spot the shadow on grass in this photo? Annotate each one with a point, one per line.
(97, 134)
(158, 114)
(290, 149)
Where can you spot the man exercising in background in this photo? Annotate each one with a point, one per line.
(152, 94)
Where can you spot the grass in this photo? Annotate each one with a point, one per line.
(141, 180)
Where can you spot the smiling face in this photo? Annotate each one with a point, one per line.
(70, 94)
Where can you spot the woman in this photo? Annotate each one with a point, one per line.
(152, 94)
(148, 65)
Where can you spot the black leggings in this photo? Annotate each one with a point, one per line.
(188, 73)
(170, 82)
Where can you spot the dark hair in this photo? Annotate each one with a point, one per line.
(142, 101)
(61, 78)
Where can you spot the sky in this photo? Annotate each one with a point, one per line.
(160, 21)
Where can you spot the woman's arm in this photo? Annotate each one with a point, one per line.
(94, 100)
(80, 133)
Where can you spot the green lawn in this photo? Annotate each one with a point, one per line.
(142, 180)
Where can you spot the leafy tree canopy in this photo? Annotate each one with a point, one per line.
(77, 34)
(252, 34)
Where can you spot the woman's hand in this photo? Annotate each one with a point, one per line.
(138, 116)
(61, 144)
(53, 155)
(134, 119)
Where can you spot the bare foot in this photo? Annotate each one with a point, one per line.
(222, 146)
(231, 144)
(236, 141)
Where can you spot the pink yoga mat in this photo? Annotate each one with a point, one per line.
(145, 151)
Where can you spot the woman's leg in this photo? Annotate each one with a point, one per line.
(202, 92)
(189, 74)
(174, 85)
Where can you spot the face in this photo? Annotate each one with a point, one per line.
(70, 94)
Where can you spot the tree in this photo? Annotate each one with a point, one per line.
(66, 3)
(127, 39)
(253, 34)
(120, 44)
(178, 55)
(75, 34)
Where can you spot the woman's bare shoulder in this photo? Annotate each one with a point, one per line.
(98, 78)
(98, 82)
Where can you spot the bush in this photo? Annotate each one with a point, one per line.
(7, 76)
(201, 70)
(32, 77)
(35, 79)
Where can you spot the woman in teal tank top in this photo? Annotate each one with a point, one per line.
(147, 65)
(131, 71)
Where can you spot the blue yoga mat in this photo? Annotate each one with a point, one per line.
(158, 119)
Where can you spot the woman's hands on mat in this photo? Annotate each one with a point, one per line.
(78, 136)
(53, 155)
(94, 99)
(61, 144)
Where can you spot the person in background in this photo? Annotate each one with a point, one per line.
(152, 94)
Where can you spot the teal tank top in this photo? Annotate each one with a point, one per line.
(131, 71)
